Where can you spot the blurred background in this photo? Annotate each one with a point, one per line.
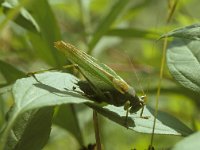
(122, 34)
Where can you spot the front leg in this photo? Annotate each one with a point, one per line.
(127, 106)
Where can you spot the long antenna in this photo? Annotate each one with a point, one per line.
(170, 13)
(136, 75)
(127, 57)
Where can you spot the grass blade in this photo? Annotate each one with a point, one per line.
(106, 22)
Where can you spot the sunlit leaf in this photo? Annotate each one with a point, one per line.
(55, 88)
(51, 89)
(165, 123)
(183, 59)
(191, 32)
(191, 142)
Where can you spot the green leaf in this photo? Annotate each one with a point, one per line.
(191, 142)
(2, 111)
(165, 123)
(106, 22)
(1, 1)
(43, 27)
(52, 89)
(24, 18)
(55, 88)
(31, 130)
(132, 33)
(66, 117)
(42, 49)
(43, 42)
(183, 60)
(10, 73)
(191, 32)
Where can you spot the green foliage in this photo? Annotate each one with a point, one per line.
(6, 70)
(56, 89)
(183, 61)
(24, 19)
(51, 91)
(166, 124)
(132, 33)
(189, 32)
(117, 33)
(188, 143)
(106, 22)
(26, 128)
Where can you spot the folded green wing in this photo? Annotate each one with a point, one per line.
(90, 66)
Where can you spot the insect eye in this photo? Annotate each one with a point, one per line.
(144, 98)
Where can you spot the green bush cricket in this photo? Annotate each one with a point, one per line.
(102, 83)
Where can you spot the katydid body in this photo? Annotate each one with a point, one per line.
(102, 83)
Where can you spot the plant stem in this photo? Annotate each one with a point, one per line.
(158, 91)
(96, 129)
(170, 13)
